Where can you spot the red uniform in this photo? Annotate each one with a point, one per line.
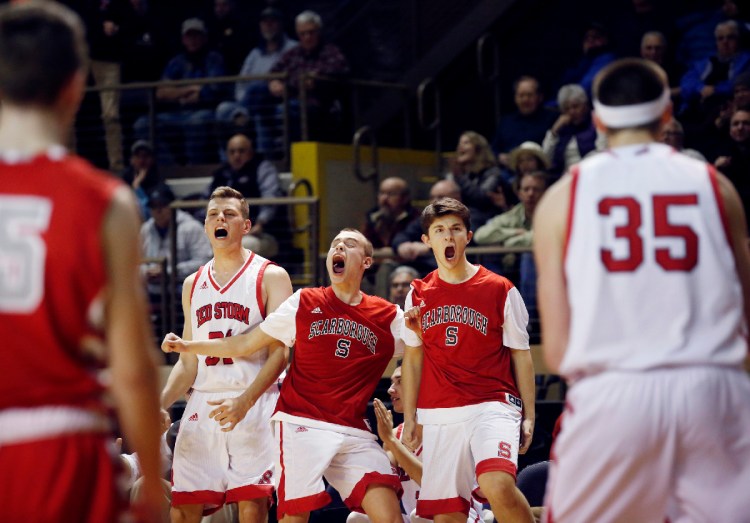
(52, 278)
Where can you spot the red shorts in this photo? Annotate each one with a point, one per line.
(64, 478)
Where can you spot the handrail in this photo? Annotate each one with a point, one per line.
(372, 175)
(188, 81)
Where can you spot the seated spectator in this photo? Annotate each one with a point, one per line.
(142, 174)
(526, 158)
(254, 177)
(193, 248)
(316, 57)
(735, 160)
(475, 170)
(528, 123)
(673, 134)
(513, 228)
(654, 48)
(187, 109)
(229, 34)
(400, 283)
(597, 52)
(573, 135)
(251, 96)
(408, 244)
(708, 82)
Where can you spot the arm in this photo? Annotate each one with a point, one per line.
(131, 355)
(550, 220)
(411, 376)
(498, 230)
(523, 370)
(185, 370)
(403, 457)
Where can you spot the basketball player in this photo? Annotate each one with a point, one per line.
(643, 283)
(408, 462)
(224, 450)
(72, 311)
(468, 368)
(343, 342)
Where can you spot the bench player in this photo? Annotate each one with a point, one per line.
(72, 311)
(343, 342)
(224, 450)
(643, 283)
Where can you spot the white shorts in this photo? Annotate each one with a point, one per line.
(212, 467)
(648, 446)
(349, 463)
(455, 454)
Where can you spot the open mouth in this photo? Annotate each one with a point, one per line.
(450, 253)
(338, 264)
(221, 233)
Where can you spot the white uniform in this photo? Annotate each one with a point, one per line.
(210, 466)
(657, 418)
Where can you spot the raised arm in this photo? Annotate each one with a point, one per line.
(131, 350)
(550, 220)
(402, 456)
(231, 347)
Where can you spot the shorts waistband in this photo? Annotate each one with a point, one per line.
(19, 425)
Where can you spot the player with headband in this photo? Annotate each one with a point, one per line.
(644, 286)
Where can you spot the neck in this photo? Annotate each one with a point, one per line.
(629, 137)
(348, 292)
(228, 262)
(30, 131)
(458, 274)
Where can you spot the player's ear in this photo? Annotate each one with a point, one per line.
(598, 123)
(469, 236)
(367, 262)
(246, 228)
(425, 239)
(666, 116)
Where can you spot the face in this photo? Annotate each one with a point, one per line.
(269, 28)
(527, 97)
(142, 159)
(727, 42)
(400, 288)
(445, 189)
(672, 135)
(529, 192)
(593, 39)
(308, 34)
(741, 95)
(346, 260)
(466, 152)
(239, 152)
(193, 41)
(225, 226)
(578, 110)
(394, 391)
(652, 48)
(448, 238)
(162, 215)
(528, 162)
(739, 126)
(392, 197)
(222, 8)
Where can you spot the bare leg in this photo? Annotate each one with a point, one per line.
(381, 505)
(505, 498)
(296, 518)
(253, 510)
(186, 513)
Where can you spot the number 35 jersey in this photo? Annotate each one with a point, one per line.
(220, 311)
(651, 277)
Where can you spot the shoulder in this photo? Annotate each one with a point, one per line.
(275, 275)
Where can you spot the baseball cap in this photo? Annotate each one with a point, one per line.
(271, 12)
(141, 144)
(193, 24)
(160, 196)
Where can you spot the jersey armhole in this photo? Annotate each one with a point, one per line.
(714, 179)
(259, 288)
(195, 282)
(574, 172)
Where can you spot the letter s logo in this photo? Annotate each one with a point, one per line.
(451, 336)
(342, 348)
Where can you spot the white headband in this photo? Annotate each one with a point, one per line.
(617, 117)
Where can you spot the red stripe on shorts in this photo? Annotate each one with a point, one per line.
(496, 465)
(354, 501)
(432, 507)
(249, 492)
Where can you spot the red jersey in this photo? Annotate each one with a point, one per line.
(52, 278)
(340, 354)
(467, 329)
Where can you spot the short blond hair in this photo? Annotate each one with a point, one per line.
(229, 193)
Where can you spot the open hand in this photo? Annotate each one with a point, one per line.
(229, 411)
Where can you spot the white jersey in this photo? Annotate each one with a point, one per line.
(650, 271)
(218, 312)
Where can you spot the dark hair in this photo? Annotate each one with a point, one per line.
(444, 207)
(42, 46)
(630, 81)
(228, 192)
